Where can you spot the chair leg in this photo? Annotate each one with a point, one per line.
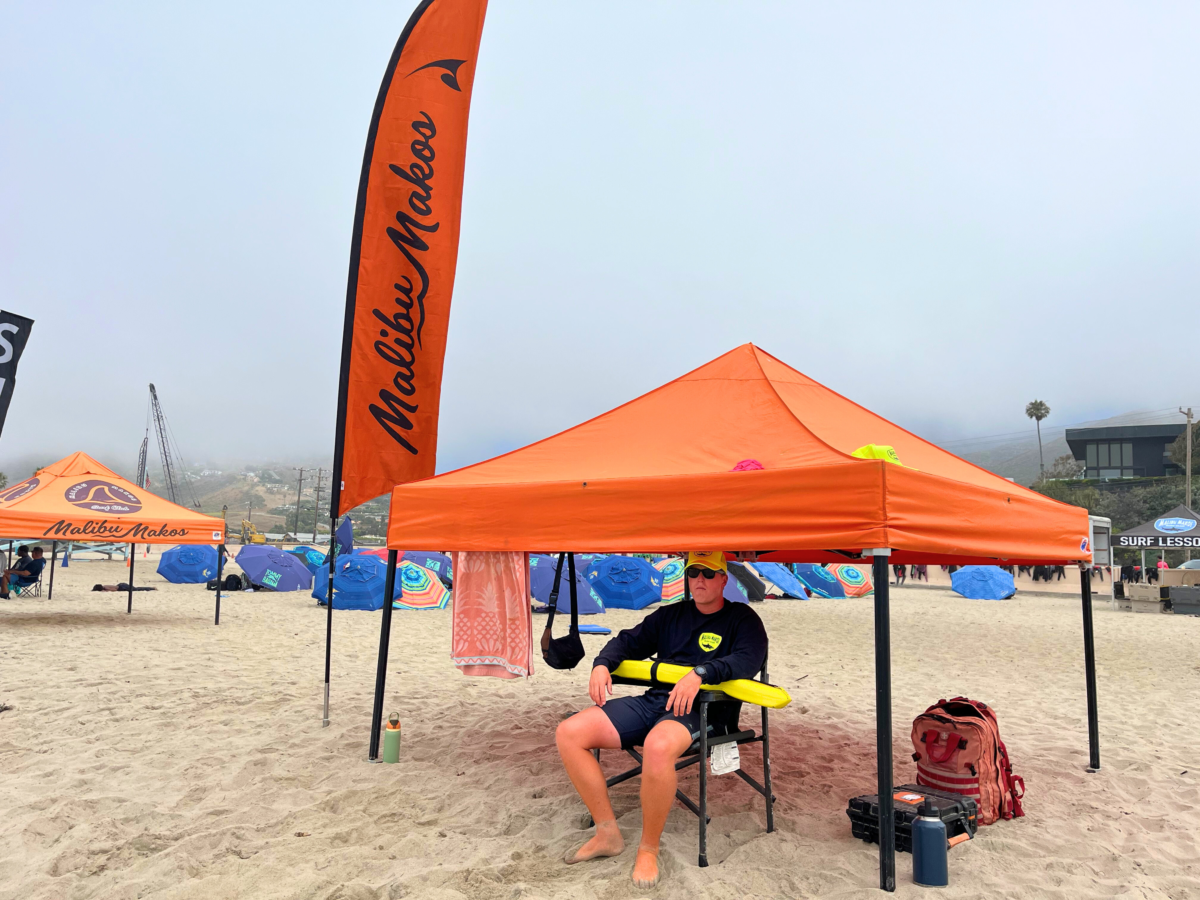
(703, 815)
(766, 751)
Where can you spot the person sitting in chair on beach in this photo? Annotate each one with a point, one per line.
(27, 570)
(721, 641)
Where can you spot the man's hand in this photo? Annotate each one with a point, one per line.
(600, 685)
(679, 701)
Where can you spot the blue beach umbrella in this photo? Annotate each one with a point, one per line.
(820, 581)
(625, 582)
(779, 575)
(314, 560)
(983, 583)
(541, 582)
(195, 564)
(270, 567)
(357, 582)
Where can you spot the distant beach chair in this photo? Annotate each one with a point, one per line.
(702, 749)
(34, 589)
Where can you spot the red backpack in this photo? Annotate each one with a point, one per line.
(957, 747)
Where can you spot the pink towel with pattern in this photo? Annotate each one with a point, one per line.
(492, 624)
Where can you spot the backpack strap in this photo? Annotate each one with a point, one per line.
(940, 756)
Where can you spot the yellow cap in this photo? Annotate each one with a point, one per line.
(708, 559)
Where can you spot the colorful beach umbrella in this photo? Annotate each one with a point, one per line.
(855, 582)
(672, 573)
(819, 580)
(420, 588)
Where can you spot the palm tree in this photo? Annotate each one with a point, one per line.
(1037, 410)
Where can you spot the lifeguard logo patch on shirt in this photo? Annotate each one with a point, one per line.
(709, 641)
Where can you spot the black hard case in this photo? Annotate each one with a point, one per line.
(958, 812)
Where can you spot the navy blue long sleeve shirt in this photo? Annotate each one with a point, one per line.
(731, 642)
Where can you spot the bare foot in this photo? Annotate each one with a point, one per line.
(645, 869)
(607, 842)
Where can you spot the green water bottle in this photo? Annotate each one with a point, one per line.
(391, 739)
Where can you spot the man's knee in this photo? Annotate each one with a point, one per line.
(573, 733)
(662, 748)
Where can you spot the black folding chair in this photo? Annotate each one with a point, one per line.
(700, 751)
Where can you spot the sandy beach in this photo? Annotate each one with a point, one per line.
(155, 755)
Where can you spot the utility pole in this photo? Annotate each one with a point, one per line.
(299, 485)
(1187, 472)
(316, 508)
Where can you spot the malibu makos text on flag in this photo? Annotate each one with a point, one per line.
(404, 254)
(14, 333)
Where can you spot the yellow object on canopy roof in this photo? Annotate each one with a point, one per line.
(886, 452)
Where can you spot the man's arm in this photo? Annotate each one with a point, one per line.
(748, 653)
(638, 642)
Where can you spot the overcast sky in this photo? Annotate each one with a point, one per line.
(942, 211)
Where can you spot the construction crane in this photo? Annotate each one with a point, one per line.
(168, 452)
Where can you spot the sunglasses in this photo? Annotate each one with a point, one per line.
(696, 572)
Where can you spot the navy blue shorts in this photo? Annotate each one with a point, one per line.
(633, 717)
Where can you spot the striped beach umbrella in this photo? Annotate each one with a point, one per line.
(672, 569)
(854, 580)
(419, 588)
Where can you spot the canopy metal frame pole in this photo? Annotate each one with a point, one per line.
(385, 635)
(220, 572)
(329, 615)
(883, 718)
(53, 556)
(1089, 665)
(132, 560)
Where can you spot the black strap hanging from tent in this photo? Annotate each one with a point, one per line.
(564, 652)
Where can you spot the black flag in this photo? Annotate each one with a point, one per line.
(14, 332)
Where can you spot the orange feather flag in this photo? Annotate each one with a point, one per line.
(404, 254)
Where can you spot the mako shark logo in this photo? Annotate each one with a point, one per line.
(102, 496)
(449, 77)
(17, 491)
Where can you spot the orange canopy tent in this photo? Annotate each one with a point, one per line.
(78, 499)
(642, 478)
(639, 478)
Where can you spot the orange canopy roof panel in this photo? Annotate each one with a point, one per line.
(638, 478)
(78, 499)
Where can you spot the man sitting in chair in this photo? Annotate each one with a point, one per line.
(721, 641)
(26, 571)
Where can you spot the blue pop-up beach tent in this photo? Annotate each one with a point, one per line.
(438, 563)
(192, 564)
(983, 583)
(819, 581)
(541, 582)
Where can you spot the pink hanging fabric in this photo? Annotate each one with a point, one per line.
(492, 624)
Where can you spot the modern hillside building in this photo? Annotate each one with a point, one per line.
(1125, 451)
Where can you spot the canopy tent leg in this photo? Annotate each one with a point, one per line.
(883, 721)
(1089, 665)
(329, 615)
(220, 570)
(132, 560)
(53, 556)
(385, 634)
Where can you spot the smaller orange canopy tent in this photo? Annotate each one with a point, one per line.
(77, 499)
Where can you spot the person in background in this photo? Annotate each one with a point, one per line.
(25, 571)
(899, 572)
